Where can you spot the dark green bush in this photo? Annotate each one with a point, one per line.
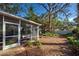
(76, 32)
(76, 42)
(74, 45)
(71, 40)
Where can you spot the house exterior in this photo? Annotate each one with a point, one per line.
(14, 29)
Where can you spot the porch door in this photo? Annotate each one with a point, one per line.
(11, 35)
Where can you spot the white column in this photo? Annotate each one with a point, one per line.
(19, 32)
(34, 32)
(31, 32)
(3, 34)
(37, 33)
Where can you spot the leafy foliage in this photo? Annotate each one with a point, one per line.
(53, 10)
(29, 43)
(50, 34)
(71, 40)
(31, 15)
(73, 45)
(37, 43)
(34, 42)
(10, 8)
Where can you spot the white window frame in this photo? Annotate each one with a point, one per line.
(4, 36)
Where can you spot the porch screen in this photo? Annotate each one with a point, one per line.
(1, 35)
(11, 34)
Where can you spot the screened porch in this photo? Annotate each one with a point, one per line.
(15, 30)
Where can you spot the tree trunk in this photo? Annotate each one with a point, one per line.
(50, 29)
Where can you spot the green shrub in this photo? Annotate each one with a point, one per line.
(37, 43)
(76, 32)
(74, 45)
(76, 42)
(50, 34)
(71, 40)
(29, 43)
(34, 42)
(55, 34)
(47, 34)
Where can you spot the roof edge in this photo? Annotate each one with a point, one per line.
(8, 14)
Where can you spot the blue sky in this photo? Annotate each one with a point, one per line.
(73, 10)
(40, 10)
(37, 9)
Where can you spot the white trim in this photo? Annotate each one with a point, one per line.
(11, 46)
(34, 33)
(20, 18)
(19, 32)
(3, 33)
(31, 31)
(10, 23)
(37, 32)
(4, 36)
(12, 36)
